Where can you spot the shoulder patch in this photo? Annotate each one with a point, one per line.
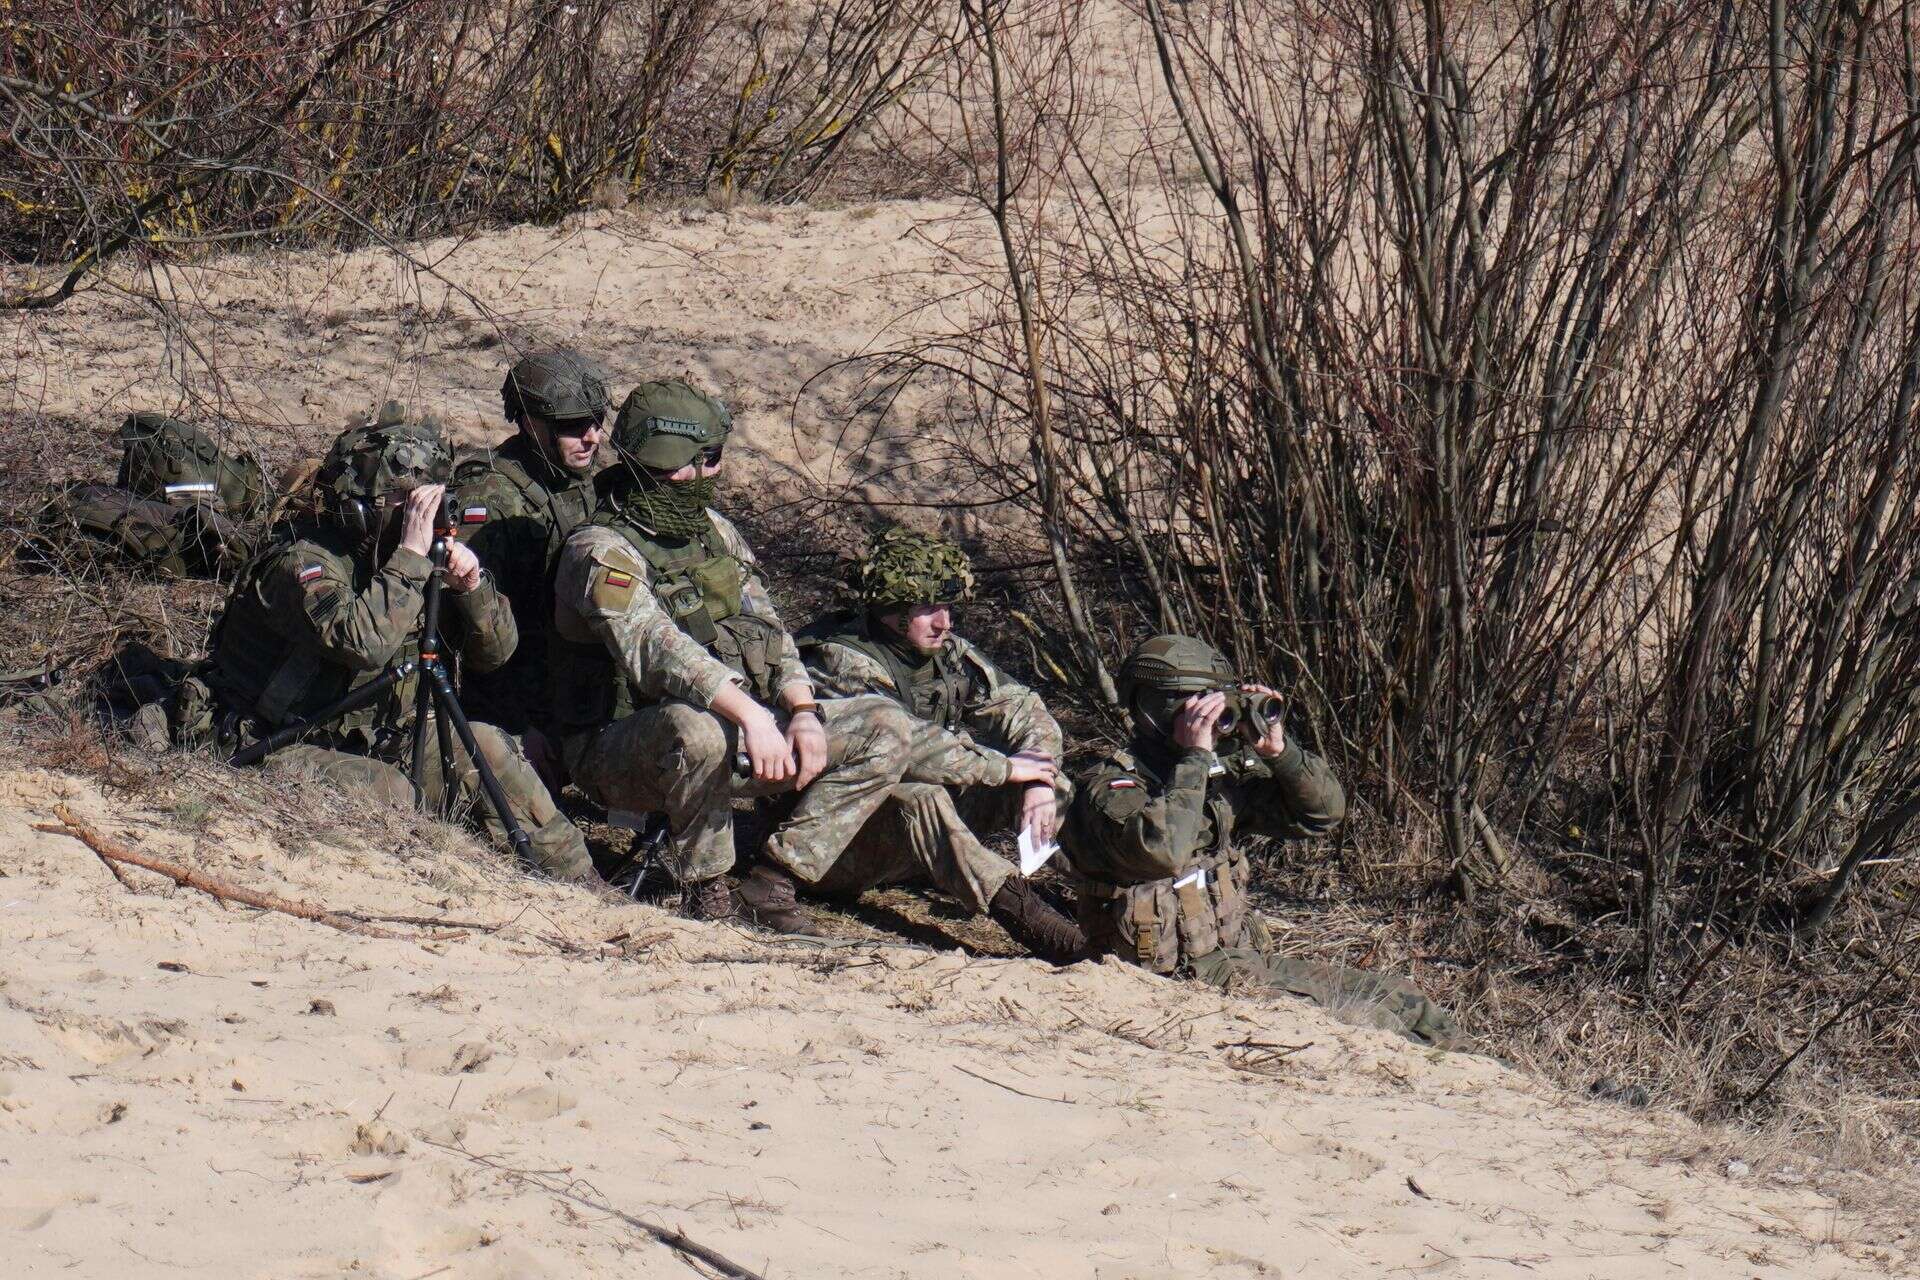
(611, 589)
(1123, 784)
(309, 572)
(473, 515)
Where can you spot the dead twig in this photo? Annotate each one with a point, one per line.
(1037, 1097)
(111, 852)
(675, 1240)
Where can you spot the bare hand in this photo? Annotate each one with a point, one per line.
(1040, 812)
(1274, 740)
(807, 738)
(463, 568)
(422, 509)
(1031, 766)
(766, 746)
(1195, 728)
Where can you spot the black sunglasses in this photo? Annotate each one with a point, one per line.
(578, 426)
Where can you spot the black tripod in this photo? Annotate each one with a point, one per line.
(434, 694)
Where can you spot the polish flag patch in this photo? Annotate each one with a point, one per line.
(309, 573)
(474, 515)
(1123, 784)
(615, 578)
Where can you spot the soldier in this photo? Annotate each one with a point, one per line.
(669, 660)
(900, 643)
(1152, 835)
(337, 601)
(516, 506)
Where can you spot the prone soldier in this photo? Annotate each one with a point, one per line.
(670, 660)
(900, 643)
(1153, 837)
(338, 600)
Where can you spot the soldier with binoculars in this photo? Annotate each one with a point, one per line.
(1155, 838)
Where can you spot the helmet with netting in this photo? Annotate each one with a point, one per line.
(385, 456)
(901, 568)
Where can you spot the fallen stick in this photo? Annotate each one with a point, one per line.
(665, 1235)
(112, 852)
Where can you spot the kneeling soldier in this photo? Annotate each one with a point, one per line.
(900, 643)
(333, 604)
(669, 659)
(1152, 835)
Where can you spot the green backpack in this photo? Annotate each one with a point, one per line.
(165, 459)
(174, 507)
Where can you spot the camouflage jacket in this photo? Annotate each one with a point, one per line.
(1153, 811)
(516, 510)
(965, 700)
(312, 618)
(605, 594)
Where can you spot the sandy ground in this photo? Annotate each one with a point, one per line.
(191, 1090)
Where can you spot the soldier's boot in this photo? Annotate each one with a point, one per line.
(709, 900)
(1035, 925)
(767, 898)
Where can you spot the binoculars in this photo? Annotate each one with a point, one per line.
(1249, 715)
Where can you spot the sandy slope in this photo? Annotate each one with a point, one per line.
(808, 1113)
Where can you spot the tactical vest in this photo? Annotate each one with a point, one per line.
(937, 691)
(1165, 925)
(166, 539)
(260, 675)
(700, 585)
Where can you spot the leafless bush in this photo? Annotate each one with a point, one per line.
(167, 127)
(1532, 387)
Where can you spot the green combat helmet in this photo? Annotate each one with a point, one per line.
(557, 386)
(1162, 673)
(901, 568)
(166, 460)
(368, 463)
(665, 425)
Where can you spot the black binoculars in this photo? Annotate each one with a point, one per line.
(1249, 715)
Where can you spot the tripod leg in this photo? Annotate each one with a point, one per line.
(444, 732)
(449, 706)
(422, 709)
(358, 698)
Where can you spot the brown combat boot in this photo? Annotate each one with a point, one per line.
(709, 900)
(767, 898)
(1035, 925)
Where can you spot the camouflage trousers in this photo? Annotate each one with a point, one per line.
(558, 847)
(1355, 995)
(677, 759)
(923, 834)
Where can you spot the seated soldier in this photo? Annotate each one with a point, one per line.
(1152, 835)
(337, 601)
(517, 505)
(900, 643)
(670, 663)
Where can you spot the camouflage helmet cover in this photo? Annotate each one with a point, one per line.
(664, 425)
(387, 455)
(901, 567)
(1174, 665)
(555, 385)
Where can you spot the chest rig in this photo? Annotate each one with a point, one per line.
(938, 690)
(1164, 925)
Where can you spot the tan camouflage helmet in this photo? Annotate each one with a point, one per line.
(664, 425)
(388, 455)
(901, 568)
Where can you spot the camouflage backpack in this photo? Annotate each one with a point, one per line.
(174, 506)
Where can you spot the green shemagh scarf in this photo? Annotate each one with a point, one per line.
(678, 510)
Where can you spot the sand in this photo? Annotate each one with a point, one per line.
(192, 1090)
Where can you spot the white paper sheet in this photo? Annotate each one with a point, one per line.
(1033, 855)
